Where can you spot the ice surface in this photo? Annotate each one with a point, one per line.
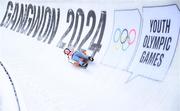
(46, 81)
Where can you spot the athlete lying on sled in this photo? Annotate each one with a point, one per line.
(79, 58)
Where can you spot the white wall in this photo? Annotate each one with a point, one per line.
(47, 82)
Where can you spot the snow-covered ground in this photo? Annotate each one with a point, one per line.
(45, 81)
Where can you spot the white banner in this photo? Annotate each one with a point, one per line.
(158, 42)
(124, 38)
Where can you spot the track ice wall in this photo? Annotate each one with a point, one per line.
(135, 45)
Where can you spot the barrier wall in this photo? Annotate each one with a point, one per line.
(128, 39)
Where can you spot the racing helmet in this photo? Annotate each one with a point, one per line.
(67, 51)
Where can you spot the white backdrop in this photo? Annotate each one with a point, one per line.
(45, 81)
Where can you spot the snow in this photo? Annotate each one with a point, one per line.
(46, 81)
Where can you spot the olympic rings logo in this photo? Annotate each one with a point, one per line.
(125, 37)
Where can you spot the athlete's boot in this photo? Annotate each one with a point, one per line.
(91, 58)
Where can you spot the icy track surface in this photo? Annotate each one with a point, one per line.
(45, 81)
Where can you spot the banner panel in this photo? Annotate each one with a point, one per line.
(124, 38)
(158, 42)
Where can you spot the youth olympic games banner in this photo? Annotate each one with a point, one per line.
(158, 42)
(124, 38)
